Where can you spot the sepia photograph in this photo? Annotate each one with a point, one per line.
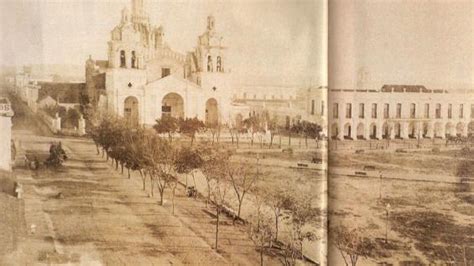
(401, 129)
(146, 132)
(239, 132)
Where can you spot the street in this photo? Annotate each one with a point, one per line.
(85, 212)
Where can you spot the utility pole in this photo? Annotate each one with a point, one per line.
(380, 186)
(387, 210)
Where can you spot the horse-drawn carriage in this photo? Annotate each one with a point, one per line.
(54, 158)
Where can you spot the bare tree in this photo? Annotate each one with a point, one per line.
(214, 165)
(351, 244)
(261, 228)
(188, 160)
(219, 190)
(243, 179)
(278, 198)
(301, 214)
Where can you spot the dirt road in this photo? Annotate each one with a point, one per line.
(89, 214)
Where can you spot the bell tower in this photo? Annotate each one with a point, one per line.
(139, 16)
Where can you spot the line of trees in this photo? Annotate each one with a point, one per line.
(255, 126)
(160, 160)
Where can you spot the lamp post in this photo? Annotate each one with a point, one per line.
(380, 186)
(387, 210)
(258, 164)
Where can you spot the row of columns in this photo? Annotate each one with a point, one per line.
(404, 130)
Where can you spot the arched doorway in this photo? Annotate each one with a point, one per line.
(412, 130)
(334, 131)
(172, 105)
(398, 130)
(459, 129)
(347, 131)
(449, 130)
(212, 112)
(373, 131)
(385, 131)
(426, 127)
(130, 111)
(360, 131)
(438, 128)
(470, 129)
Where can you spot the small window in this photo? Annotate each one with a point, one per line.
(335, 110)
(123, 61)
(386, 111)
(165, 72)
(219, 64)
(361, 110)
(210, 67)
(374, 110)
(134, 60)
(438, 110)
(399, 110)
(348, 110)
(412, 110)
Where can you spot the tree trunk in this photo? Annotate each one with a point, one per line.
(217, 225)
(208, 194)
(261, 253)
(172, 198)
(116, 164)
(306, 141)
(194, 181)
(161, 196)
(289, 139)
(240, 207)
(143, 176)
(152, 185)
(277, 215)
(192, 139)
(185, 183)
(128, 170)
(121, 165)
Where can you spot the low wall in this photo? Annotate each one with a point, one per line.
(52, 123)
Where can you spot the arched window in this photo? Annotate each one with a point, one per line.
(209, 64)
(219, 64)
(123, 61)
(134, 60)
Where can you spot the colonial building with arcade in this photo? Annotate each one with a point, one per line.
(144, 79)
(400, 112)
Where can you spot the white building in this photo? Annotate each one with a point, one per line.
(6, 114)
(144, 79)
(400, 111)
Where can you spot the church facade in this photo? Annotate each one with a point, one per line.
(144, 79)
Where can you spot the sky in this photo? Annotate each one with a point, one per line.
(278, 42)
(375, 42)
